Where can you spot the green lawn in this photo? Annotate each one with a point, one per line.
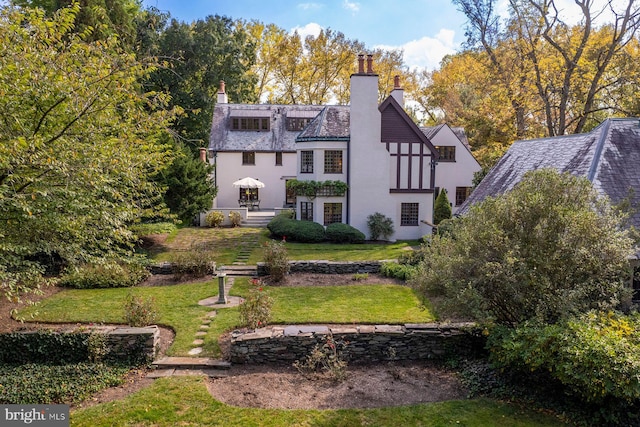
(349, 252)
(178, 307)
(185, 401)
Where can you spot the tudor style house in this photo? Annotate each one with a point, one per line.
(389, 164)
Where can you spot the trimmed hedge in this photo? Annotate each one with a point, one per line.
(295, 230)
(343, 233)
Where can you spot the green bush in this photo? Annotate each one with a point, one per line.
(50, 384)
(139, 311)
(195, 262)
(214, 219)
(397, 271)
(343, 233)
(276, 260)
(108, 275)
(380, 226)
(597, 356)
(235, 218)
(549, 249)
(296, 231)
(255, 311)
(147, 229)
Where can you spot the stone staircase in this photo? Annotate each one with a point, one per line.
(258, 219)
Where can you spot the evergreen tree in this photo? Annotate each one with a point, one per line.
(442, 207)
(189, 186)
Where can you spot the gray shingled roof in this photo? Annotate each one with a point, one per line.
(278, 138)
(609, 156)
(333, 123)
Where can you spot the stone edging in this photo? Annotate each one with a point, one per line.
(364, 343)
(329, 267)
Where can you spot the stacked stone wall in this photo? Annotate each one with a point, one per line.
(329, 267)
(364, 343)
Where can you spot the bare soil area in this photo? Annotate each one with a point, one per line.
(366, 386)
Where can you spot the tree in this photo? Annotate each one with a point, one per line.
(100, 18)
(548, 249)
(441, 208)
(561, 76)
(189, 186)
(79, 143)
(194, 58)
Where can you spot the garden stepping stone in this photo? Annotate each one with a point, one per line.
(197, 342)
(195, 351)
(212, 314)
(201, 334)
(206, 321)
(160, 373)
(204, 326)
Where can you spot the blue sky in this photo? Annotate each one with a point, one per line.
(425, 29)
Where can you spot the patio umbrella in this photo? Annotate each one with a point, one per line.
(248, 183)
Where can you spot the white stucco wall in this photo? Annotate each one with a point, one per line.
(450, 175)
(230, 169)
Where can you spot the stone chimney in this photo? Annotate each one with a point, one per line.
(203, 154)
(222, 95)
(398, 92)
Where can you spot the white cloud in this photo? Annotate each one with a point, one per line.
(309, 6)
(353, 7)
(311, 29)
(427, 52)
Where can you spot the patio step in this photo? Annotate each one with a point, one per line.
(190, 363)
(239, 270)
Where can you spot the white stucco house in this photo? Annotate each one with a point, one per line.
(389, 164)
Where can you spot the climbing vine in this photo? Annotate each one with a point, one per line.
(311, 189)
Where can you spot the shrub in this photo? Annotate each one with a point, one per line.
(548, 249)
(139, 311)
(397, 271)
(380, 226)
(276, 260)
(327, 358)
(108, 275)
(441, 207)
(596, 356)
(360, 277)
(195, 262)
(146, 229)
(48, 384)
(214, 219)
(235, 218)
(343, 233)
(294, 230)
(255, 311)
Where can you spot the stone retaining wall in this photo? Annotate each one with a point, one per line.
(329, 267)
(167, 267)
(365, 343)
(125, 342)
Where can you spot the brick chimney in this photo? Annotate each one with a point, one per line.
(222, 95)
(398, 92)
(203, 154)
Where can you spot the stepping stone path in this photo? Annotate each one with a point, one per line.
(169, 366)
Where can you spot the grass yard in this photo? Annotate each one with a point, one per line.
(185, 401)
(349, 252)
(178, 307)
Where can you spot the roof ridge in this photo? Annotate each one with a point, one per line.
(599, 148)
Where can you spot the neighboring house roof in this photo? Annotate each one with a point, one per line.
(432, 131)
(333, 123)
(609, 156)
(277, 138)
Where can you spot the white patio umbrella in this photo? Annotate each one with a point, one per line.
(248, 183)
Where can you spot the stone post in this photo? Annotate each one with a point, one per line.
(221, 279)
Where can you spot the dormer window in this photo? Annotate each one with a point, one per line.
(297, 124)
(261, 124)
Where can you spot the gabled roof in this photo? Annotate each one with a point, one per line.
(609, 156)
(278, 138)
(397, 126)
(432, 131)
(333, 123)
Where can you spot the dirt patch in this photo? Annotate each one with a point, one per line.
(369, 386)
